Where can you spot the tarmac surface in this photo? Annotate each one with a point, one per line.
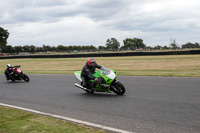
(150, 104)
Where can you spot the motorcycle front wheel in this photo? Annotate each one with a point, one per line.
(118, 88)
(26, 78)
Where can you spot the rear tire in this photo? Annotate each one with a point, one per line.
(26, 78)
(118, 88)
(13, 79)
(7, 77)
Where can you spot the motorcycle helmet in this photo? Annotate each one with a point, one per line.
(90, 62)
(8, 65)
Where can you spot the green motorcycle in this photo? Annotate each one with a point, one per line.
(107, 82)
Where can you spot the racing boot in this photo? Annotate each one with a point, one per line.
(87, 89)
(90, 89)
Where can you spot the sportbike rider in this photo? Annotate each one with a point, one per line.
(87, 71)
(10, 72)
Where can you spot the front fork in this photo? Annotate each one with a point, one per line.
(21, 75)
(115, 82)
(112, 86)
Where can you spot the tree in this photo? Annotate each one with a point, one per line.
(112, 44)
(53, 49)
(101, 48)
(26, 48)
(39, 49)
(132, 44)
(92, 48)
(3, 38)
(61, 48)
(8, 49)
(158, 47)
(190, 45)
(32, 49)
(46, 48)
(165, 47)
(149, 48)
(173, 44)
(18, 49)
(197, 45)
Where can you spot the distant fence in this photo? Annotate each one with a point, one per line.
(107, 54)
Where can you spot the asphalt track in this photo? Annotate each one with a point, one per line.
(150, 104)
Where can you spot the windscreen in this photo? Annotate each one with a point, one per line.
(106, 71)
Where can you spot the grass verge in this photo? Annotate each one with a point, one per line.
(169, 65)
(17, 121)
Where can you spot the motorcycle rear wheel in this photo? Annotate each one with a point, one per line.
(118, 88)
(13, 79)
(6, 75)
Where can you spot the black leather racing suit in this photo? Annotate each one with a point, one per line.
(8, 72)
(86, 73)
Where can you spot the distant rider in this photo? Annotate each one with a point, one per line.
(87, 70)
(9, 71)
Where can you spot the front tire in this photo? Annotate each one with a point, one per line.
(26, 78)
(118, 88)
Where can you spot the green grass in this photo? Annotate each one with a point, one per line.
(168, 65)
(17, 121)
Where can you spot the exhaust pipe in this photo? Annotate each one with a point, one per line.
(81, 87)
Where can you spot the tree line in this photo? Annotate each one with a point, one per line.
(110, 45)
(46, 48)
(174, 45)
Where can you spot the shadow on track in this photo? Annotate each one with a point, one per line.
(11, 82)
(99, 94)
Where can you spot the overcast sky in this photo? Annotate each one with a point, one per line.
(92, 22)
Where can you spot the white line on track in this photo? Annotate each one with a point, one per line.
(68, 119)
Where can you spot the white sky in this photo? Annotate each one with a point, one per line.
(92, 22)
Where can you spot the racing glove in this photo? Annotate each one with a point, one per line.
(96, 79)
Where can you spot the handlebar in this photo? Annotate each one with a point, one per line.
(17, 66)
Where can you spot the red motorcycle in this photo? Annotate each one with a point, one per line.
(16, 74)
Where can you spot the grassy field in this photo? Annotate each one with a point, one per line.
(17, 121)
(170, 65)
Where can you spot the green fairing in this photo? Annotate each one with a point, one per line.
(99, 74)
